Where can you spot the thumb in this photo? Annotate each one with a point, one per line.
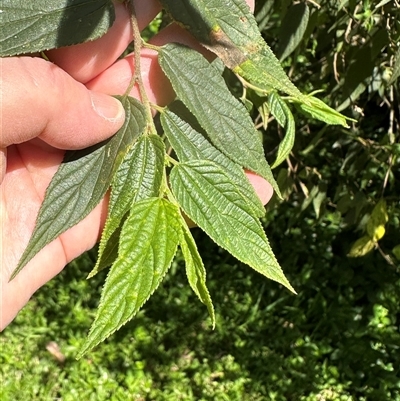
(39, 99)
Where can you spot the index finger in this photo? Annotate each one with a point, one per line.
(85, 61)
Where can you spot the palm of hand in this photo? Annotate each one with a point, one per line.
(30, 167)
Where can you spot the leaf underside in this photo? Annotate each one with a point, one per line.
(81, 182)
(232, 33)
(29, 27)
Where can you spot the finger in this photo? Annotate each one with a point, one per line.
(84, 62)
(29, 171)
(42, 100)
(116, 79)
(45, 265)
(262, 187)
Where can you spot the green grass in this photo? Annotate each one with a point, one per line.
(337, 340)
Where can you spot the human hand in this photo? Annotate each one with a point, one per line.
(47, 108)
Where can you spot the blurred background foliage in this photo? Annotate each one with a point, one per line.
(338, 339)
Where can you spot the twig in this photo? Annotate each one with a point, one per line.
(137, 76)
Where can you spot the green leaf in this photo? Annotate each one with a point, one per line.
(292, 29)
(284, 116)
(81, 182)
(209, 197)
(190, 144)
(195, 270)
(34, 26)
(396, 252)
(231, 32)
(148, 244)
(225, 119)
(377, 220)
(361, 247)
(139, 177)
(316, 108)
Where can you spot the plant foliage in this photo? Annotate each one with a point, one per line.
(213, 137)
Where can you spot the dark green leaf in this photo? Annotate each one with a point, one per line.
(148, 244)
(34, 26)
(189, 144)
(292, 29)
(213, 202)
(81, 182)
(139, 177)
(225, 119)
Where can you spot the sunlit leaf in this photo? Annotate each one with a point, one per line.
(232, 33)
(34, 26)
(280, 110)
(225, 119)
(317, 109)
(361, 247)
(190, 144)
(195, 270)
(81, 182)
(377, 220)
(138, 177)
(209, 197)
(148, 244)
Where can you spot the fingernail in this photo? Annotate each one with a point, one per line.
(107, 107)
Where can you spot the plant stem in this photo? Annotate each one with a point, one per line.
(137, 77)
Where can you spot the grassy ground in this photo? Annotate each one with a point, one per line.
(337, 340)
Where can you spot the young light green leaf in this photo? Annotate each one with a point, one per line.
(190, 144)
(284, 116)
(361, 247)
(195, 271)
(292, 29)
(208, 196)
(34, 26)
(81, 182)
(149, 240)
(225, 119)
(230, 31)
(377, 220)
(316, 108)
(138, 177)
